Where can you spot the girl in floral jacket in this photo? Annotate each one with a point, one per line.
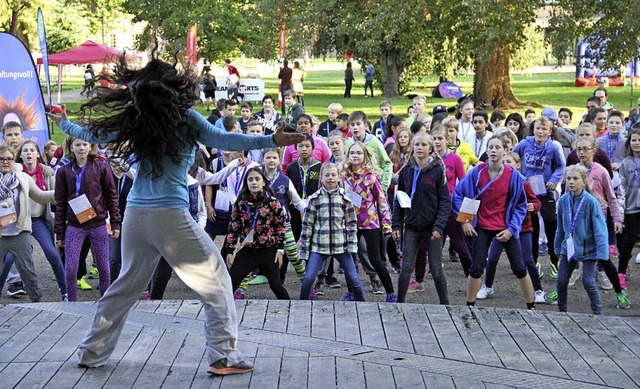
(257, 221)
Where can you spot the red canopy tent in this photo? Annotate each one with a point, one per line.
(89, 52)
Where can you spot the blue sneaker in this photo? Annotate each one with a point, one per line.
(348, 297)
(391, 298)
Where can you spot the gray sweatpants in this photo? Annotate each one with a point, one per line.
(22, 250)
(149, 233)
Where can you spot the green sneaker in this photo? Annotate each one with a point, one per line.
(93, 272)
(83, 284)
(539, 268)
(552, 298)
(554, 270)
(258, 280)
(623, 301)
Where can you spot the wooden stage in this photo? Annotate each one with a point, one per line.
(326, 344)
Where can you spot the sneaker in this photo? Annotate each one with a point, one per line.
(340, 270)
(319, 288)
(93, 272)
(376, 288)
(623, 301)
(348, 297)
(313, 295)
(15, 289)
(638, 258)
(575, 276)
(220, 367)
(613, 251)
(258, 280)
(238, 294)
(332, 282)
(83, 284)
(65, 297)
(553, 269)
(396, 269)
(453, 256)
(146, 296)
(540, 297)
(605, 284)
(540, 271)
(484, 292)
(543, 249)
(623, 280)
(415, 287)
(391, 298)
(552, 298)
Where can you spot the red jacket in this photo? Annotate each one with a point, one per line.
(531, 198)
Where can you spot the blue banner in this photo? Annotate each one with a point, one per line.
(20, 94)
(42, 37)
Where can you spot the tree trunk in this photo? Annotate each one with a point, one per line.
(492, 81)
(391, 81)
(15, 19)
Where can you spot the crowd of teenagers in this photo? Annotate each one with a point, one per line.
(327, 198)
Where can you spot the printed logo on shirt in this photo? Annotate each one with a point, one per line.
(280, 189)
(313, 175)
(534, 161)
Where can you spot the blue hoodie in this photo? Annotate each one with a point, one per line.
(516, 208)
(546, 160)
(589, 232)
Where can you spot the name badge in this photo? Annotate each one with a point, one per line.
(8, 214)
(468, 210)
(571, 250)
(355, 198)
(537, 184)
(403, 199)
(224, 199)
(82, 208)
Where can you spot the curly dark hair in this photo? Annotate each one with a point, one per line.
(146, 109)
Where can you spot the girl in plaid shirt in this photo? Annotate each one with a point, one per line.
(330, 228)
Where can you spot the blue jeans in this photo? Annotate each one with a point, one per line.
(40, 231)
(350, 274)
(588, 282)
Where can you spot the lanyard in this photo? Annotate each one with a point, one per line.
(79, 179)
(272, 182)
(635, 169)
(478, 145)
(220, 167)
(304, 178)
(239, 179)
(575, 217)
(444, 159)
(254, 218)
(416, 174)
(489, 183)
(609, 151)
(539, 155)
(332, 159)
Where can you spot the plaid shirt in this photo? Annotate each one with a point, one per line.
(330, 225)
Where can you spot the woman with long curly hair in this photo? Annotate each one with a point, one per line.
(148, 116)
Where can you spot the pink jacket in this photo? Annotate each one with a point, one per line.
(602, 190)
(320, 153)
(374, 207)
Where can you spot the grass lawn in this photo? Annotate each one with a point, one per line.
(324, 85)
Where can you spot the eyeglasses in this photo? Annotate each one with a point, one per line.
(356, 153)
(583, 149)
(6, 160)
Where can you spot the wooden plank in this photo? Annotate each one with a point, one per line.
(18, 319)
(277, 316)
(267, 371)
(322, 372)
(624, 331)
(501, 342)
(14, 373)
(407, 378)
(67, 343)
(349, 373)
(294, 373)
(189, 309)
(322, 320)
(420, 331)
(25, 335)
(47, 339)
(468, 383)
(378, 375)
(347, 327)
(447, 334)
(184, 367)
(147, 305)
(299, 318)
(541, 359)
(133, 361)
(440, 381)
(157, 367)
(394, 323)
(203, 380)
(266, 351)
(289, 353)
(66, 376)
(7, 312)
(561, 349)
(588, 350)
(168, 307)
(254, 313)
(473, 336)
(611, 346)
(38, 375)
(371, 330)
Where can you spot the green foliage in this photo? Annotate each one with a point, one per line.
(532, 51)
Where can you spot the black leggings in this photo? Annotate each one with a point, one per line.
(548, 213)
(248, 259)
(374, 238)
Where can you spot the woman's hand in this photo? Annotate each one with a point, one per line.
(115, 234)
(57, 119)
(278, 259)
(435, 235)
(395, 234)
(468, 230)
(286, 138)
(229, 260)
(211, 213)
(551, 185)
(504, 236)
(617, 227)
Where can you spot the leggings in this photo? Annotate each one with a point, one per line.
(161, 277)
(73, 240)
(525, 249)
(248, 259)
(631, 228)
(548, 213)
(481, 249)
(458, 242)
(373, 238)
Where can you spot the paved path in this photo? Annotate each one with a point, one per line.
(300, 344)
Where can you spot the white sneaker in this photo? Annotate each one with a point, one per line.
(638, 258)
(484, 292)
(540, 297)
(605, 284)
(575, 276)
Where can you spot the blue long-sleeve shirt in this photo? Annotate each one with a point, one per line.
(171, 189)
(545, 160)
